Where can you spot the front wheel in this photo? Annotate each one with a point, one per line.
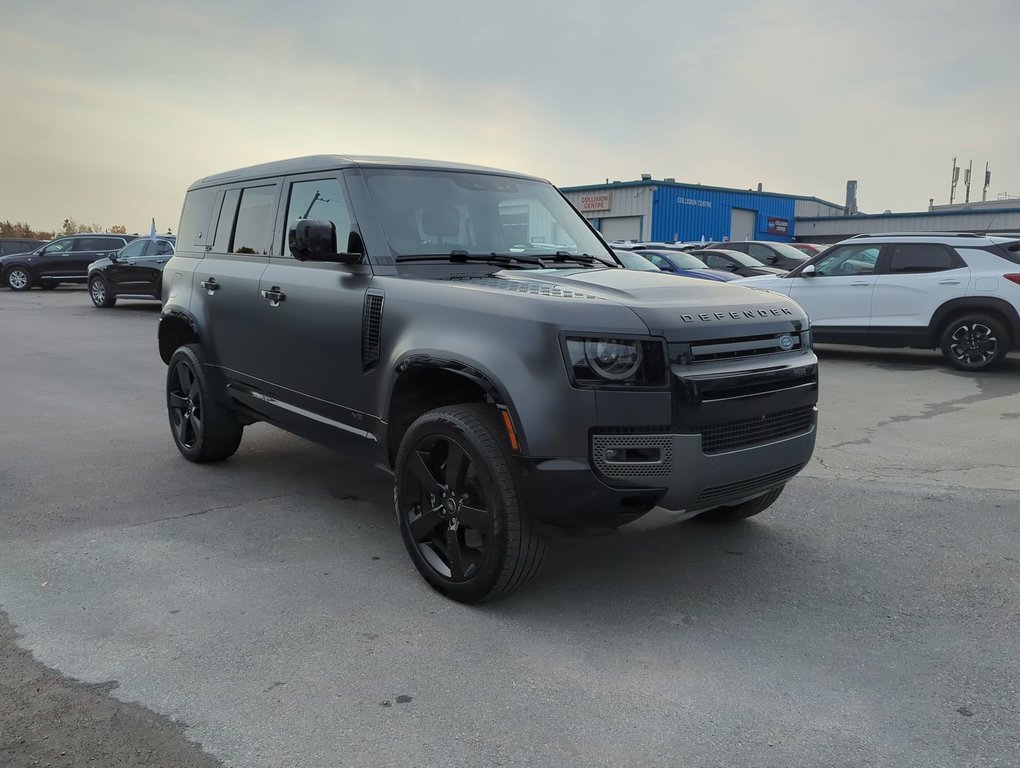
(458, 506)
(18, 279)
(100, 293)
(975, 342)
(203, 426)
(744, 510)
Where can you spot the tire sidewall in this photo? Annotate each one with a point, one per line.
(188, 354)
(106, 292)
(28, 278)
(485, 579)
(998, 329)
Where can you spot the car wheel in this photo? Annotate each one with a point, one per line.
(458, 507)
(742, 511)
(975, 342)
(203, 426)
(18, 279)
(100, 294)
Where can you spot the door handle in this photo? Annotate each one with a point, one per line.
(860, 284)
(274, 295)
(949, 282)
(211, 284)
(160, 261)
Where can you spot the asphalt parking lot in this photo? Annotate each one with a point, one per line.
(264, 608)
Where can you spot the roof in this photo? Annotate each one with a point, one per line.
(942, 214)
(313, 163)
(663, 183)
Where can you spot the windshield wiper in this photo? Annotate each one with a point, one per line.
(580, 258)
(511, 260)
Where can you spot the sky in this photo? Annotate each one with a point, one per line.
(113, 107)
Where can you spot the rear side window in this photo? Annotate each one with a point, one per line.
(94, 244)
(196, 216)
(922, 257)
(253, 220)
(225, 221)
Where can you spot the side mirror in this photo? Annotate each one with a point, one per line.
(112, 255)
(315, 240)
(808, 271)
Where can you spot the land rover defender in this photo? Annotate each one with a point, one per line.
(472, 332)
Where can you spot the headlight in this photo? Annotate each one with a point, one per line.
(596, 361)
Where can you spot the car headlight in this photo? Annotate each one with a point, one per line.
(609, 362)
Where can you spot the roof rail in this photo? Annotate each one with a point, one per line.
(919, 234)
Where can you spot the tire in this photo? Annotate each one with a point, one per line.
(975, 342)
(203, 426)
(473, 542)
(742, 511)
(18, 279)
(99, 292)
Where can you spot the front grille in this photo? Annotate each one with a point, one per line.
(747, 487)
(660, 445)
(756, 430)
(746, 346)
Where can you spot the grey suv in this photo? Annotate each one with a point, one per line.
(468, 330)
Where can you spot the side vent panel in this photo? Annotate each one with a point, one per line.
(371, 327)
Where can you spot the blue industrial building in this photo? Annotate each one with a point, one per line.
(667, 211)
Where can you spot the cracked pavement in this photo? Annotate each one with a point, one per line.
(264, 609)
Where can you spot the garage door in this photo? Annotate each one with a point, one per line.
(621, 228)
(742, 224)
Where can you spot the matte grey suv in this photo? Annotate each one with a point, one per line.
(467, 329)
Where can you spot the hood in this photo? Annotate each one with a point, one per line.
(763, 270)
(679, 308)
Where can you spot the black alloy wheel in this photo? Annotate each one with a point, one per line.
(457, 505)
(100, 293)
(975, 342)
(204, 427)
(18, 279)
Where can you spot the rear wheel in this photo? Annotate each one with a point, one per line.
(975, 342)
(203, 425)
(458, 506)
(744, 510)
(99, 291)
(18, 279)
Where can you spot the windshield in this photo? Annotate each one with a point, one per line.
(789, 251)
(437, 212)
(743, 258)
(633, 260)
(682, 260)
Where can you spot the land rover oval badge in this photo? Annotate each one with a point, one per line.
(786, 342)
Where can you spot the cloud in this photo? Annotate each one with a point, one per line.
(124, 104)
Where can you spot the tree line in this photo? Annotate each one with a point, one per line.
(69, 227)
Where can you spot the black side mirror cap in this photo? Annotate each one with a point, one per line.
(315, 240)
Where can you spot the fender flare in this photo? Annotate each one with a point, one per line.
(174, 318)
(976, 304)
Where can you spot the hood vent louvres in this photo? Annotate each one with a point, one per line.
(371, 329)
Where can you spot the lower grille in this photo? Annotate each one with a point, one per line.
(756, 430)
(658, 446)
(747, 487)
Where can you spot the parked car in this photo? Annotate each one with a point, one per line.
(386, 306)
(134, 272)
(685, 264)
(956, 292)
(11, 245)
(811, 249)
(63, 260)
(740, 264)
(780, 255)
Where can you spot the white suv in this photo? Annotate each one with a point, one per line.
(957, 292)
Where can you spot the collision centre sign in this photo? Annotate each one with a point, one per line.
(595, 201)
(777, 226)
